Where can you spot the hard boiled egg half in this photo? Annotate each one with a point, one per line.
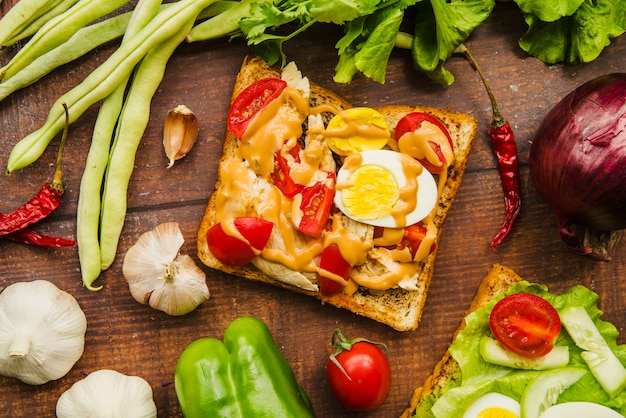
(385, 188)
(493, 405)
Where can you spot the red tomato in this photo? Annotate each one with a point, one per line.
(365, 380)
(414, 235)
(525, 324)
(317, 201)
(333, 262)
(281, 176)
(412, 122)
(252, 99)
(231, 250)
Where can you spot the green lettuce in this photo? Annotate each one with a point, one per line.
(478, 377)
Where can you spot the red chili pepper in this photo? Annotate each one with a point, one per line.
(28, 236)
(42, 204)
(504, 147)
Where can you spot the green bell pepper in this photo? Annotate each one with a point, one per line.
(244, 376)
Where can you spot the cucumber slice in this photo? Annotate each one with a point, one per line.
(493, 352)
(543, 391)
(604, 365)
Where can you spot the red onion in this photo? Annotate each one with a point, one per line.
(578, 165)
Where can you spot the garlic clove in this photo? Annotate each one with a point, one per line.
(107, 393)
(42, 332)
(159, 276)
(180, 131)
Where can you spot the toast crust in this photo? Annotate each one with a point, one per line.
(401, 309)
(499, 279)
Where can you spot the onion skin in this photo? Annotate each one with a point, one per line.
(578, 165)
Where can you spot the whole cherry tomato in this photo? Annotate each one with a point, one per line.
(412, 122)
(250, 101)
(526, 324)
(358, 373)
(231, 250)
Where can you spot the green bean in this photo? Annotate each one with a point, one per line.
(58, 30)
(224, 23)
(23, 12)
(88, 209)
(131, 127)
(30, 28)
(82, 42)
(101, 82)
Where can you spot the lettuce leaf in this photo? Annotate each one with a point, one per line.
(480, 377)
(579, 37)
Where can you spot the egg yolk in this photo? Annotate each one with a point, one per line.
(357, 129)
(372, 194)
(496, 412)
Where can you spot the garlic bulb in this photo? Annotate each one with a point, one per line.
(161, 277)
(42, 332)
(180, 131)
(107, 394)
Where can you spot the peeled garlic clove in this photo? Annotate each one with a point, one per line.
(159, 276)
(107, 393)
(179, 133)
(42, 332)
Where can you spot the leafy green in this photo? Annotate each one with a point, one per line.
(480, 377)
(440, 27)
(549, 10)
(579, 37)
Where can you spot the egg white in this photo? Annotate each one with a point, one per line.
(491, 400)
(427, 193)
(580, 410)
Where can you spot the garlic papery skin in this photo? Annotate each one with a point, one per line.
(107, 394)
(42, 332)
(180, 131)
(159, 276)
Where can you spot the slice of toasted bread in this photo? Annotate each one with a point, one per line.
(398, 308)
(499, 279)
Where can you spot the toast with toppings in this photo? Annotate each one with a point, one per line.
(521, 350)
(386, 270)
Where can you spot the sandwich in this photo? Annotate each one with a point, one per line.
(342, 203)
(522, 351)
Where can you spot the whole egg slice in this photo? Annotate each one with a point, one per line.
(493, 405)
(385, 188)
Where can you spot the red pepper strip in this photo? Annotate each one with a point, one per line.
(43, 203)
(504, 147)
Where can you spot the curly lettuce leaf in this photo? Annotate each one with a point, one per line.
(440, 27)
(579, 37)
(479, 377)
(549, 10)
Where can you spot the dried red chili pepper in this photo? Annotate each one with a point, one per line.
(28, 236)
(503, 141)
(43, 203)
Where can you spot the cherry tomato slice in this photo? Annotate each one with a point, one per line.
(317, 201)
(365, 381)
(412, 122)
(281, 177)
(250, 101)
(332, 263)
(525, 324)
(231, 250)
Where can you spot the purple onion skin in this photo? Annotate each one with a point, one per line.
(578, 165)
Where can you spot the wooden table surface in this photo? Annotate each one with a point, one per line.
(137, 340)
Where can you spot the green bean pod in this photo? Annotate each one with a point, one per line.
(58, 30)
(101, 82)
(131, 127)
(224, 23)
(30, 28)
(88, 209)
(20, 16)
(82, 42)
